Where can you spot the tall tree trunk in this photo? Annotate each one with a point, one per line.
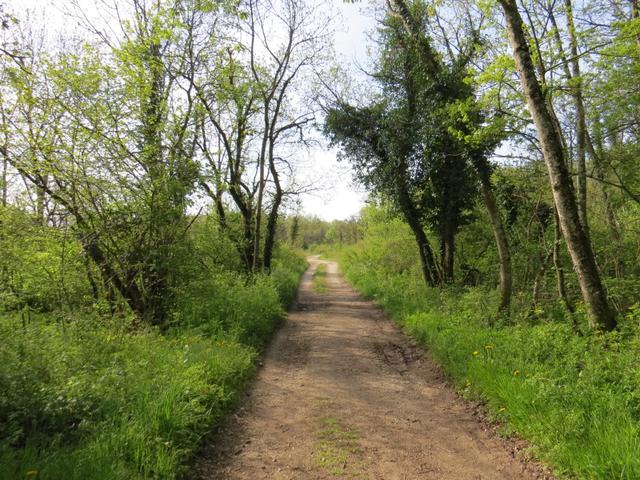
(248, 239)
(272, 222)
(222, 215)
(448, 224)
(447, 249)
(270, 234)
(216, 197)
(557, 264)
(585, 142)
(581, 121)
(537, 281)
(410, 212)
(578, 244)
(499, 233)
(154, 274)
(427, 261)
(257, 229)
(245, 208)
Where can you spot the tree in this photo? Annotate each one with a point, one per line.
(107, 138)
(554, 154)
(374, 141)
(252, 96)
(477, 141)
(451, 146)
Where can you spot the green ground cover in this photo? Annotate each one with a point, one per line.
(574, 395)
(85, 395)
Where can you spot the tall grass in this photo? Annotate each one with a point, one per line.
(575, 397)
(95, 399)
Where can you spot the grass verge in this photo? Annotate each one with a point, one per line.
(576, 398)
(337, 451)
(93, 399)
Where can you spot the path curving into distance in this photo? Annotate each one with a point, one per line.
(343, 393)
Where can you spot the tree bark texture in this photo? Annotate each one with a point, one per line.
(581, 121)
(272, 221)
(499, 233)
(578, 244)
(427, 262)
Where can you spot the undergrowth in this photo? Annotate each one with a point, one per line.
(575, 397)
(95, 398)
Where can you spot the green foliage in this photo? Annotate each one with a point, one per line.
(288, 267)
(95, 401)
(213, 250)
(320, 278)
(98, 139)
(576, 398)
(247, 309)
(40, 267)
(104, 398)
(423, 143)
(306, 231)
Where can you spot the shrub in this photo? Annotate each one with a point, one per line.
(101, 398)
(40, 267)
(94, 401)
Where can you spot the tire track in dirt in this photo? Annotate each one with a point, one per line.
(343, 393)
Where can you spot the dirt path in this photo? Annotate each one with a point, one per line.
(344, 394)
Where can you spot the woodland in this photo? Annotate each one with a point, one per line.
(152, 239)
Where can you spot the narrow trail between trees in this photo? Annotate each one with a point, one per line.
(343, 393)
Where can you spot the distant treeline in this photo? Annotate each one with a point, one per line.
(303, 231)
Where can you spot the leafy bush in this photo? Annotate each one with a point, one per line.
(288, 267)
(40, 267)
(246, 309)
(95, 401)
(230, 305)
(102, 399)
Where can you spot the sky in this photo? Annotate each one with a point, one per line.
(341, 198)
(337, 196)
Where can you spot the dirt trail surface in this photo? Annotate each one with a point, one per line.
(345, 394)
